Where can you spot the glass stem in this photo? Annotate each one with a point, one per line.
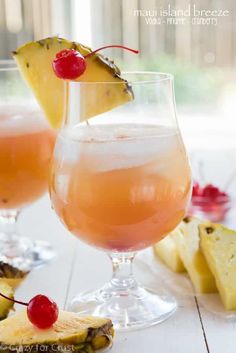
(8, 222)
(122, 277)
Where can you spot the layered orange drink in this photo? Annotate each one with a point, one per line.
(120, 187)
(26, 145)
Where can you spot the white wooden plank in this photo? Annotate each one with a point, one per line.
(40, 222)
(181, 333)
(219, 326)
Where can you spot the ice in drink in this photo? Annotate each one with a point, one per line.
(120, 187)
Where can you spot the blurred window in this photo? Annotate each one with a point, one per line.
(194, 40)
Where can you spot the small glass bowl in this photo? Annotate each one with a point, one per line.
(214, 210)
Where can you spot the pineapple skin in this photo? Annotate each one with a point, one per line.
(34, 60)
(69, 329)
(11, 275)
(188, 244)
(166, 250)
(218, 244)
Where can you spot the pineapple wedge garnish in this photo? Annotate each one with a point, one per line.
(188, 244)
(5, 304)
(34, 60)
(11, 275)
(218, 244)
(167, 251)
(70, 332)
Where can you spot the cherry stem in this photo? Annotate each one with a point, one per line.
(13, 300)
(112, 46)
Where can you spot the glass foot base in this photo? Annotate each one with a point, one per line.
(133, 309)
(24, 253)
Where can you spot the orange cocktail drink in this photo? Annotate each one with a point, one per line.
(120, 188)
(121, 182)
(26, 145)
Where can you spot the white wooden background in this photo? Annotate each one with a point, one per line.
(78, 267)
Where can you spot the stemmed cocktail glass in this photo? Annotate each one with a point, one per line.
(26, 145)
(121, 182)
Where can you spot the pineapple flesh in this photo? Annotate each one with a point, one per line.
(5, 304)
(34, 60)
(218, 244)
(85, 334)
(166, 250)
(188, 244)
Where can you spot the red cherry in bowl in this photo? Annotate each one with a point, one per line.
(211, 191)
(196, 189)
(211, 201)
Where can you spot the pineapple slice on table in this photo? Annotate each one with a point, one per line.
(188, 244)
(5, 304)
(11, 275)
(70, 333)
(167, 252)
(34, 60)
(218, 244)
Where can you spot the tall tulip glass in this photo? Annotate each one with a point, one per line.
(26, 145)
(121, 182)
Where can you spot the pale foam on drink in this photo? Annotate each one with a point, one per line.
(21, 120)
(111, 147)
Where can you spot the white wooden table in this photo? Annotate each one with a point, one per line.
(78, 267)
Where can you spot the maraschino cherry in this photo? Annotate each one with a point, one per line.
(41, 310)
(209, 192)
(196, 189)
(69, 64)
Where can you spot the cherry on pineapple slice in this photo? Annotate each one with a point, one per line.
(69, 64)
(41, 310)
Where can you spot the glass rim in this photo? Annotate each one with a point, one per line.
(8, 65)
(156, 75)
